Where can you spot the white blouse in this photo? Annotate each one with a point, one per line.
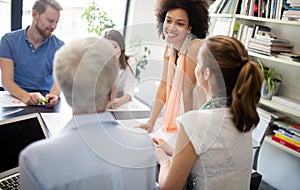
(224, 154)
(126, 79)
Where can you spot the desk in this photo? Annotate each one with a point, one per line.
(8, 112)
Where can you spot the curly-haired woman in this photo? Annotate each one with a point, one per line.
(181, 23)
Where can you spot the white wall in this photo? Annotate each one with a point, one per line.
(141, 23)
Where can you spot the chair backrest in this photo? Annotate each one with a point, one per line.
(145, 91)
(258, 135)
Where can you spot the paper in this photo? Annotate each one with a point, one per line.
(170, 138)
(55, 122)
(133, 105)
(7, 100)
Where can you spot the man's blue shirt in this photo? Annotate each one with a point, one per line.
(33, 68)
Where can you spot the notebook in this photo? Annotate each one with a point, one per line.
(15, 134)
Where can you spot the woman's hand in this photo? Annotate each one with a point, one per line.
(147, 126)
(161, 156)
(162, 144)
(115, 103)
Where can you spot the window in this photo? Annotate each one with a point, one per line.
(5, 13)
(71, 25)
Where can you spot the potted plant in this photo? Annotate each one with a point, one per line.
(97, 20)
(141, 54)
(271, 81)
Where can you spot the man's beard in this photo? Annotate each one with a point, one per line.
(42, 32)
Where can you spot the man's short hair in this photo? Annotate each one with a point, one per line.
(41, 5)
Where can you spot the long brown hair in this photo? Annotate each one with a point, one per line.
(242, 78)
(116, 36)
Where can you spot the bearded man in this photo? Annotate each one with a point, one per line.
(26, 56)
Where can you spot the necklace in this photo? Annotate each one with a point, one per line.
(217, 102)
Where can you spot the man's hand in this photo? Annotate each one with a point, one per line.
(52, 100)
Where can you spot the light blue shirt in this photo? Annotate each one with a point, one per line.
(33, 68)
(92, 152)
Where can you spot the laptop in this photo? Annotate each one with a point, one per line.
(15, 134)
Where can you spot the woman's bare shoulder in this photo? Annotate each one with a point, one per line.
(194, 47)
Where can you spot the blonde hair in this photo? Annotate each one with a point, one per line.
(241, 78)
(86, 70)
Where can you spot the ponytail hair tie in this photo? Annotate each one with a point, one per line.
(245, 61)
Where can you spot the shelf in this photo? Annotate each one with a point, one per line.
(280, 107)
(275, 59)
(260, 19)
(268, 139)
(215, 15)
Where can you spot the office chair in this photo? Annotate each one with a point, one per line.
(145, 91)
(258, 135)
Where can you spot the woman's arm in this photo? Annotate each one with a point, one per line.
(173, 173)
(128, 85)
(159, 101)
(189, 80)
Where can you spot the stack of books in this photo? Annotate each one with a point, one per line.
(287, 134)
(267, 43)
(292, 13)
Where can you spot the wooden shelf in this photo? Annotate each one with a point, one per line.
(268, 139)
(275, 59)
(260, 19)
(280, 107)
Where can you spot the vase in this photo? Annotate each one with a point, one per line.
(266, 93)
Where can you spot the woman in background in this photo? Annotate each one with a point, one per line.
(181, 23)
(214, 143)
(126, 79)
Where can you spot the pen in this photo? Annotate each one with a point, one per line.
(44, 101)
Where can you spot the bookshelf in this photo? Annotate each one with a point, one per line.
(275, 59)
(273, 152)
(280, 146)
(279, 107)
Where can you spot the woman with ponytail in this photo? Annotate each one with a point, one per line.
(214, 143)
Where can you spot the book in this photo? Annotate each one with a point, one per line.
(295, 126)
(288, 134)
(272, 43)
(289, 56)
(268, 49)
(289, 102)
(248, 36)
(240, 32)
(270, 114)
(286, 138)
(286, 125)
(287, 144)
(222, 6)
(259, 51)
(213, 8)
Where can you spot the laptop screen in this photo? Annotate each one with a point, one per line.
(15, 134)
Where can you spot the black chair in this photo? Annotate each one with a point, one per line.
(255, 180)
